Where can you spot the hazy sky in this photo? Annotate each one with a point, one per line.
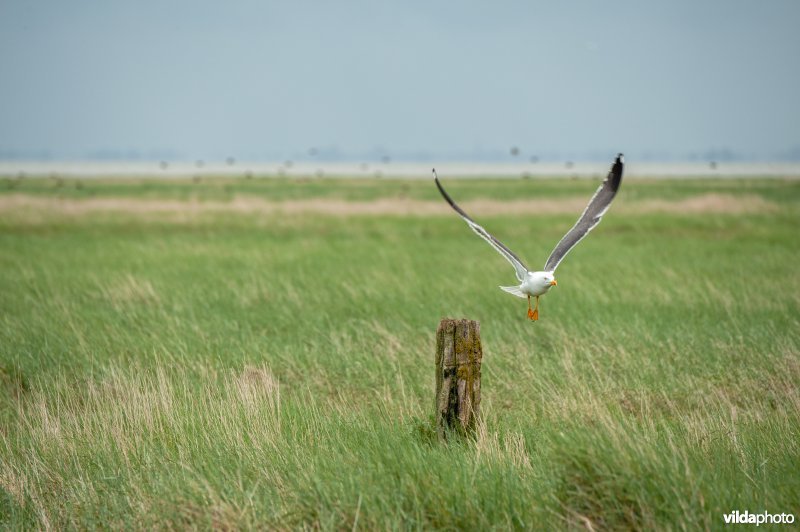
(268, 80)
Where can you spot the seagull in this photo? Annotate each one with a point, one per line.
(538, 283)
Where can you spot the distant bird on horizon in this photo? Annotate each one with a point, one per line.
(538, 283)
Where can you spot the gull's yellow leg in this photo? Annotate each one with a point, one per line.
(530, 310)
(535, 314)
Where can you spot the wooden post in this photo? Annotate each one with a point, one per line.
(458, 376)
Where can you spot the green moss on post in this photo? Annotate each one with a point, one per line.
(458, 376)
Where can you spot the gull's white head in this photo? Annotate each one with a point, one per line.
(542, 280)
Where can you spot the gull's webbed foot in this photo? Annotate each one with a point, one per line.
(533, 314)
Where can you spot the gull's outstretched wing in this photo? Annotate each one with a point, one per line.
(519, 267)
(591, 215)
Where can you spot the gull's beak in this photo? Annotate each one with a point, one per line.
(553, 283)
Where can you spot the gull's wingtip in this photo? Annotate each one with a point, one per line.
(620, 158)
(433, 171)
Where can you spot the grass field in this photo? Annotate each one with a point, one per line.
(238, 353)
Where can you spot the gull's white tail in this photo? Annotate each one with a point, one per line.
(514, 290)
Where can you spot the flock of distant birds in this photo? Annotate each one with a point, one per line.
(376, 168)
(282, 170)
(313, 152)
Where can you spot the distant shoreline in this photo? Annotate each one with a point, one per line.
(94, 169)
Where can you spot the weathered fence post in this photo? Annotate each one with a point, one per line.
(458, 376)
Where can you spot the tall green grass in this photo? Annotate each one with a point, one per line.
(245, 370)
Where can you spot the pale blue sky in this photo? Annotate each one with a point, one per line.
(409, 79)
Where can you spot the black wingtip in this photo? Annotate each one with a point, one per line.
(619, 163)
(447, 197)
(615, 175)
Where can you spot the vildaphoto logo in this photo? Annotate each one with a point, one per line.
(746, 518)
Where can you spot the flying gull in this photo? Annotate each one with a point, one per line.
(538, 283)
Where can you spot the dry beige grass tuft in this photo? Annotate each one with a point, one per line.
(129, 290)
(701, 203)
